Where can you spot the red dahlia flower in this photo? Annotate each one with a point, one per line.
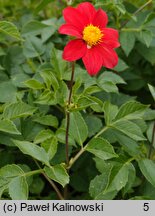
(94, 43)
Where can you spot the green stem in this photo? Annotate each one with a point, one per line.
(68, 114)
(73, 160)
(131, 159)
(33, 172)
(50, 181)
(152, 141)
(101, 131)
(68, 125)
(82, 150)
(71, 83)
(137, 11)
(54, 186)
(142, 7)
(131, 29)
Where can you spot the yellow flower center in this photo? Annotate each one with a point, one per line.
(92, 35)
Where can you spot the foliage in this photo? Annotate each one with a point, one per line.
(112, 129)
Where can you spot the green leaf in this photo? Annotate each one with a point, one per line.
(146, 36)
(62, 93)
(120, 7)
(108, 86)
(2, 189)
(108, 80)
(150, 133)
(18, 188)
(91, 89)
(42, 136)
(58, 63)
(99, 104)
(83, 102)
(50, 79)
(152, 90)
(8, 126)
(10, 29)
(18, 79)
(121, 66)
(30, 129)
(2, 52)
(147, 167)
(61, 135)
(147, 53)
(48, 120)
(32, 150)
(131, 179)
(131, 110)
(1, 68)
(50, 146)
(94, 124)
(41, 5)
(101, 148)
(149, 115)
(47, 97)
(37, 185)
(110, 111)
(141, 124)
(18, 110)
(119, 177)
(12, 177)
(128, 128)
(47, 33)
(57, 173)
(109, 134)
(33, 27)
(99, 184)
(7, 92)
(127, 40)
(128, 144)
(10, 171)
(150, 20)
(78, 128)
(108, 76)
(101, 165)
(33, 84)
(33, 47)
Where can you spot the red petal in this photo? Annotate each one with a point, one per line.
(110, 38)
(109, 56)
(100, 19)
(87, 9)
(110, 33)
(93, 60)
(75, 18)
(74, 50)
(70, 30)
(110, 43)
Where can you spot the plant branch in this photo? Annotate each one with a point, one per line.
(54, 186)
(152, 141)
(67, 136)
(136, 12)
(142, 7)
(131, 29)
(34, 172)
(82, 150)
(101, 131)
(71, 83)
(50, 181)
(72, 160)
(68, 114)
